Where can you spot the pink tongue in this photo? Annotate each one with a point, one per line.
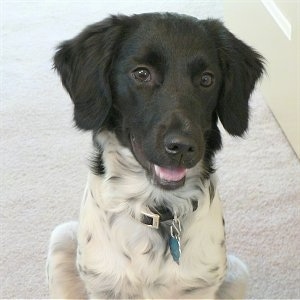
(174, 174)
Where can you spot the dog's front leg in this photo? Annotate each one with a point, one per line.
(63, 278)
(235, 283)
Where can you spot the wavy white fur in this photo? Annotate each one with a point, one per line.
(111, 254)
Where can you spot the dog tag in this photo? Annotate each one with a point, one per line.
(175, 250)
(174, 240)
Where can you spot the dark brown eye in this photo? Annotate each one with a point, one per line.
(142, 75)
(206, 79)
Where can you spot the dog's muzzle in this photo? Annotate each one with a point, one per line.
(180, 150)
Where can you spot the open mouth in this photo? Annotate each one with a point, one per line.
(168, 178)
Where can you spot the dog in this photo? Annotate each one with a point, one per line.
(151, 89)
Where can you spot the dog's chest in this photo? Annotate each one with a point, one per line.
(120, 258)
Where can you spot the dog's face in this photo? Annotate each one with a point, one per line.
(160, 82)
(166, 94)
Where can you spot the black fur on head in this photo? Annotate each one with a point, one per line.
(198, 72)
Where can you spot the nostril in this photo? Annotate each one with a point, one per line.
(172, 148)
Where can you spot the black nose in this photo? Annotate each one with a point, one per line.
(183, 147)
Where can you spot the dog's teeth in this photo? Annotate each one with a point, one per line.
(170, 174)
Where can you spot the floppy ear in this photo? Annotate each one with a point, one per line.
(241, 67)
(84, 65)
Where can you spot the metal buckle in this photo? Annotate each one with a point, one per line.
(153, 216)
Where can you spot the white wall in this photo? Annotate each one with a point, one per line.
(273, 28)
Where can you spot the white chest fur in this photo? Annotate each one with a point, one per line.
(119, 257)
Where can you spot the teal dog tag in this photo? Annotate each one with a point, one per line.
(175, 248)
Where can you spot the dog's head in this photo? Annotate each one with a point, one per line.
(160, 82)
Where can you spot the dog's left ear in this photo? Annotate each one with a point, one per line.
(241, 67)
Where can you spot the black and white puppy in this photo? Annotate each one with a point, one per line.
(151, 88)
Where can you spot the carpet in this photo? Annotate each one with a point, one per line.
(44, 159)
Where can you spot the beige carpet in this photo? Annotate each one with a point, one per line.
(44, 160)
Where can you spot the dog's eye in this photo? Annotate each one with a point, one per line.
(206, 79)
(142, 75)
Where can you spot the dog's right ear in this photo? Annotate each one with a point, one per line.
(241, 68)
(84, 65)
